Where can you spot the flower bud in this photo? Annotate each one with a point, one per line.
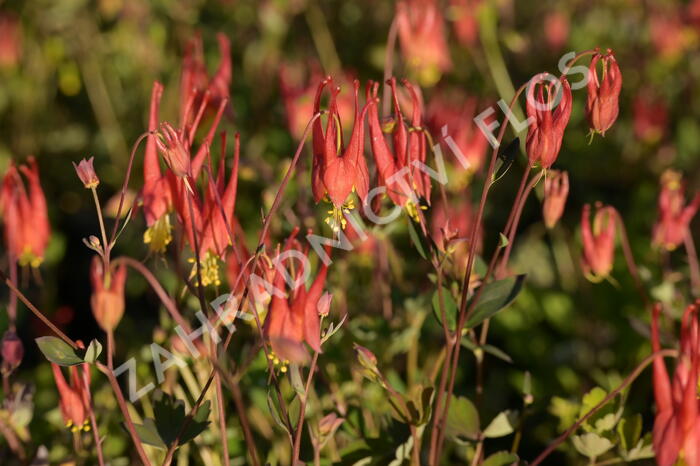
(174, 148)
(12, 350)
(107, 299)
(86, 173)
(556, 190)
(598, 242)
(602, 105)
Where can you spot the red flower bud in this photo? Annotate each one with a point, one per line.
(107, 299)
(174, 147)
(547, 117)
(603, 94)
(674, 216)
(556, 190)
(86, 173)
(598, 242)
(12, 351)
(422, 37)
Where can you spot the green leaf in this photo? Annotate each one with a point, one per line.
(492, 350)
(295, 378)
(495, 296)
(629, 430)
(591, 444)
(501, 458)
(462, 420)
(58, 351)
(419, 404)
(419, 241)
(170, 416)
(93, 351)
(606, 418)
(450, 308)
(502, 425)
(274, 411)
(502, 240)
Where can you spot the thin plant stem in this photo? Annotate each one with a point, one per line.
(692, 261)
(389, 66)
(627, 381)
(96, 436)
(106, 247)
(467, 273)
(125, 411)
(629, 258)
(302, 410)
(36, 311)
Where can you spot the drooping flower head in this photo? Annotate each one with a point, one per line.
(338, 170)
(674, 215)
(556, 190)
(598, 241)
(421, 32)
(25, 214)
(398, 167)
(603, 93)
(676, 434)
(294, 319)
(74, 396)
(452, 115)
(548, 109)
(464, 15)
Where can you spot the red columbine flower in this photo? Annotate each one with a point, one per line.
(196, 88)
(397, 169)
(86, 173)
(466, 26)
(549, 118)
(422, 37)
(27, 229)
(598, 243)
(650, 116)
(74, 398)
(337, 171)
(456, 114)
(294, 319)
(107, 299)
(674, 216)
(603, 94)
(556, 29)
(155, 194)
(10, 40)
(556, 190)
(676, 432)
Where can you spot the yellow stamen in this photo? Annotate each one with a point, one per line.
(209, 269)
(159, 235)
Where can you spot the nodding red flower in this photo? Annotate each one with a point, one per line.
(556, 190)
(598, 242)
(455, 114)
(674, 216)
(196, 88)
(676, 433)
(86, 173)
(603, 94)
(337, 171)
(74, 396)
(398, 169)
(208, 220)
(556, 29)
(155, 194)
(421, 34)
(107, 300)
(26, 220)
(294, 319)
(465, 25)
(549, 117)
(650, 116)
(10, 40)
